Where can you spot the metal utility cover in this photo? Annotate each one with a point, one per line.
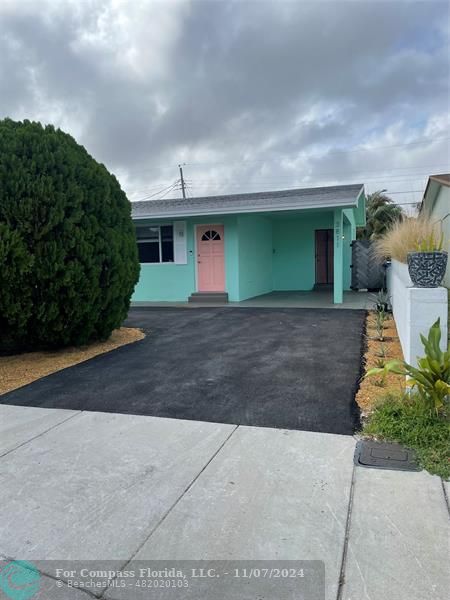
(379, 455)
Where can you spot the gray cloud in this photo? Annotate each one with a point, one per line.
(251, 94)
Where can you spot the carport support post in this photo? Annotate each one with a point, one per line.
(338, 286)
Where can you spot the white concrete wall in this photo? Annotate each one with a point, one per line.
(415, 310)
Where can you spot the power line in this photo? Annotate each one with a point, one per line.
(165, 190)
(433, 140)
(406, 192)
(133, 191)
(388, 169)
(281, 155)
(296, 183)
(419, 141)
(280, 178)
(236, 184)
(403, 176)
(240, 184)
(165, 193)
(245, 181)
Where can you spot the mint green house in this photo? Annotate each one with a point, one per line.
(240, 246)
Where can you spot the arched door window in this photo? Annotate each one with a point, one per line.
(210, 235)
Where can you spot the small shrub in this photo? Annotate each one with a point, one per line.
(380, 319)
(381, 301)
(381, 352)
(409, 235)
(380, 382)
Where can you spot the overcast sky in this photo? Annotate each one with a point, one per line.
(251, 95)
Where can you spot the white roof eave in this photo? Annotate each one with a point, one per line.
(253, 209)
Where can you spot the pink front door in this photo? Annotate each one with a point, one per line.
(210, 258)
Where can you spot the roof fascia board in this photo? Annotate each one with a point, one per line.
(253, 209)
(443, 182)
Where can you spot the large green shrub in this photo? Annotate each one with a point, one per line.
(68, 256)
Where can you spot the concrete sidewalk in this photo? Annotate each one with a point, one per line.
(95, 487)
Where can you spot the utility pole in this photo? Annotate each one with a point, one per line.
(183, 189)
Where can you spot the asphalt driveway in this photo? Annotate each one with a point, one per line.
(283, 368)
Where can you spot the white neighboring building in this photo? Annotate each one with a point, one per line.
(436, 203)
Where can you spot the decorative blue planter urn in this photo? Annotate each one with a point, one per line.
(427, 269)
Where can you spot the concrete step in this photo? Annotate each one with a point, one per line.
(209, 297)
(323, 287)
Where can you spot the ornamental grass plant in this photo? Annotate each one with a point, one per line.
(410, 235)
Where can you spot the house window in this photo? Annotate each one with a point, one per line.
(155, 243)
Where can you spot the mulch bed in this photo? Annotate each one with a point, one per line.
(372, 389)
(18, 370)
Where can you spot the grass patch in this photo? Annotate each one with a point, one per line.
(404, 419)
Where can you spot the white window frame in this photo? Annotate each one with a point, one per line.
(160, 261)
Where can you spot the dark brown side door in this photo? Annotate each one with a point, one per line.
(324, 256)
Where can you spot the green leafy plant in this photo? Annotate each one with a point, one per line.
(431, 242)
(68, 253)
(431, 379)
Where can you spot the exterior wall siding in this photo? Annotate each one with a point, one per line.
(441, 209)
(263, 253)
(169, 282)
(294, 258)
(255, 255)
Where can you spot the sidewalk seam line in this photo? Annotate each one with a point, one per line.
(346, 537)
(446, 499)
(50, 576)
(41, 434)
(169, 510)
